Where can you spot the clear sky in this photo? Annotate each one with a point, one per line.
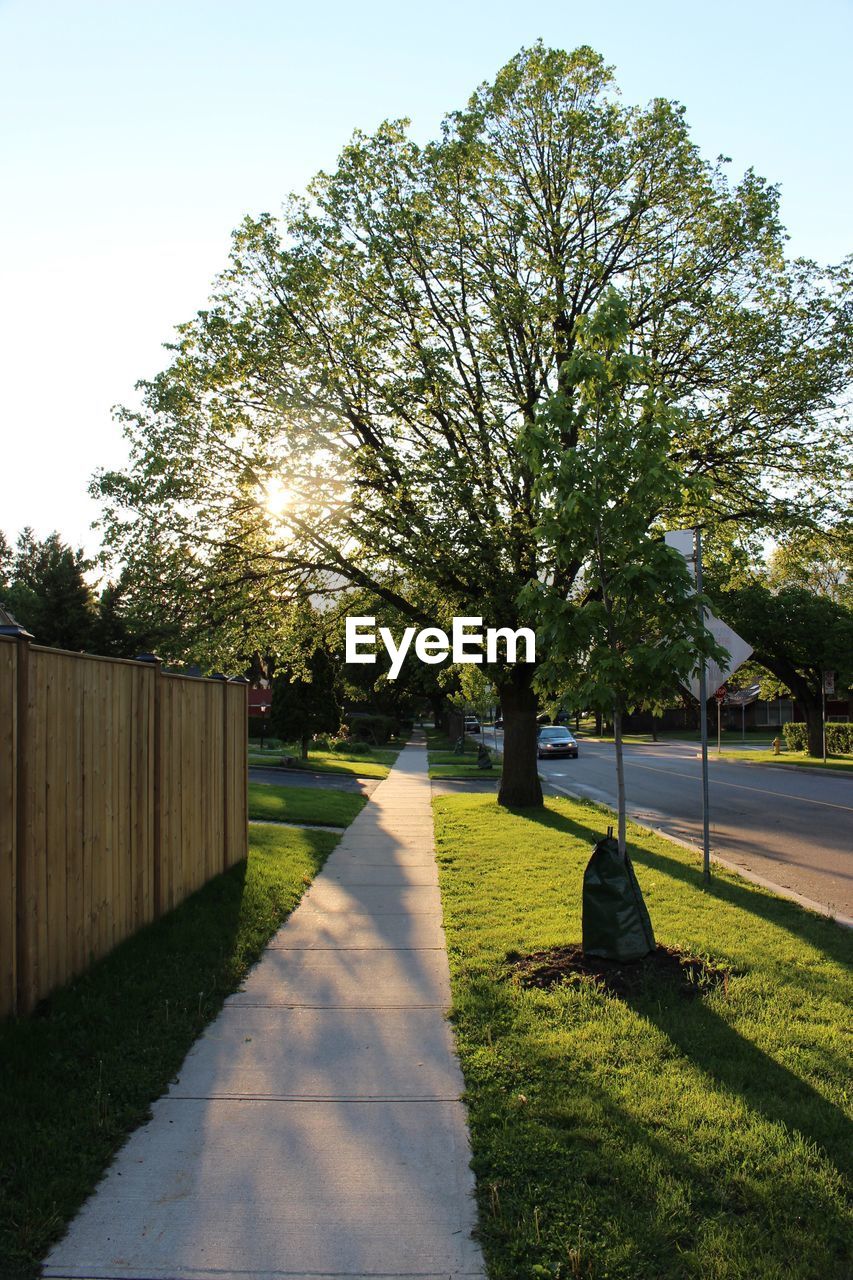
(135, 134)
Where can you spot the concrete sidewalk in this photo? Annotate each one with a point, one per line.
(315, 1128)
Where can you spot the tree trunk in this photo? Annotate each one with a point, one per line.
(810, 699)
(456, 727)
(304, 746)
(620, 778)
(598, 724)
(813, 711)
(520, 787)
(654, 729)
(439, 711)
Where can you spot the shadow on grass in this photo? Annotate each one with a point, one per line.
(585, 1160)
(80, 1074)
(596, 1174)
(744, 1070)
(835, 941)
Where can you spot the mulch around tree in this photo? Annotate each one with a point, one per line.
(691, 975)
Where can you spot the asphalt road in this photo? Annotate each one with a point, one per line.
(794, 829)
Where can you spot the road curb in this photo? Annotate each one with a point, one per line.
(789, 768)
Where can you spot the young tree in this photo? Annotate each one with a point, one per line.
(476, 689)
(630, 628)
(350, 405)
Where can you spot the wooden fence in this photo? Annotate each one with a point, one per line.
(122, 790)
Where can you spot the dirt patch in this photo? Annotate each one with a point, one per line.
(691, 975)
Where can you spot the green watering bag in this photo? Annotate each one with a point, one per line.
(616, 924)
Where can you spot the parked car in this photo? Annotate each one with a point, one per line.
(472, 724)
(499, 722)
(553, 740)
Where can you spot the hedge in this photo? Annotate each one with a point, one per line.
(839, 738)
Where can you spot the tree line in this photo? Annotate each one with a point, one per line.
(483, 375)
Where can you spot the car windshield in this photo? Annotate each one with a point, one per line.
(556, 735)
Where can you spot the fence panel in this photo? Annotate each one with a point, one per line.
(8, 823)
(122, 790)
(237, 775)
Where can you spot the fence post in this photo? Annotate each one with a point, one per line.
(156, 842)
(23, 991)
(242, 746)
(226, 841)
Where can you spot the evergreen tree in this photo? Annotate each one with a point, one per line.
(48, 592)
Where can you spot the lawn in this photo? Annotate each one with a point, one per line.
(443, 762)
(652, 1135)
(304, 804)
(837, 764)
(373, 764)
(81, 1073)
(753, 741)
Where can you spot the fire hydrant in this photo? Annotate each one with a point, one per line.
(777, 746)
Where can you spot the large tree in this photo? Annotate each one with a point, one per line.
(817, 559)
(348, 409)
(798, 636)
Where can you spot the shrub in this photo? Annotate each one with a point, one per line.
(354, 745)
(839, 738)
(795, 735)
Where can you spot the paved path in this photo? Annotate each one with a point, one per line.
(315, 1128)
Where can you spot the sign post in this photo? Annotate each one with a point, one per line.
(689, 543)
(827, 687)
(703, 717)
(720, 697)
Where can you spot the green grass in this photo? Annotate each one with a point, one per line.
(837, 764)
(375, 765)
(304, 804)
(443, 762)
(653, 1136)
(81, 1073)
(756, 741)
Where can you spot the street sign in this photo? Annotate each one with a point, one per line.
(829, 683)
(683, 540)
(722, 693)
(736, 647)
